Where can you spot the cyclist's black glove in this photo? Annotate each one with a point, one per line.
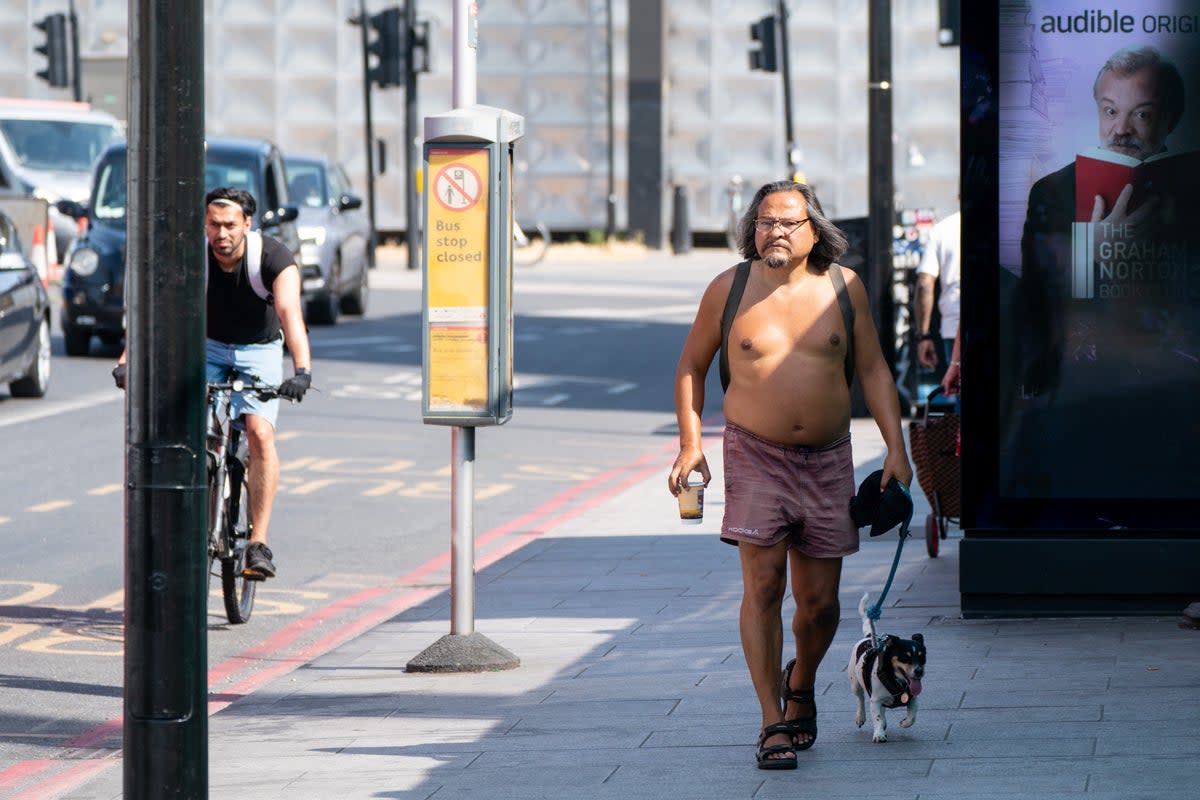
(294, 387)
(119, 372)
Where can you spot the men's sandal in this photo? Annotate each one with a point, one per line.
(766, 753)
(806, 724)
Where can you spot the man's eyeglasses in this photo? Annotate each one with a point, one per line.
(788, 226)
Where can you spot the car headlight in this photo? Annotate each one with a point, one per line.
(312, 233)
(309, 254)
(84, 261)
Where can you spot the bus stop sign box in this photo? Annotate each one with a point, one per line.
(466, 312)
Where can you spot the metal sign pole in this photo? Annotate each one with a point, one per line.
(462, 521)
(461, 186)
(462, 439)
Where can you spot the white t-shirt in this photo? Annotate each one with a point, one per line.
(940, 260)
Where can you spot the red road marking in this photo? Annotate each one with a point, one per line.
(272, 655)
(53, 785)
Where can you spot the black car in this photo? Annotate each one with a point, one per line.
(24, 318)
(93, 288)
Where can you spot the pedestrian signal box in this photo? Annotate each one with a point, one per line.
(466, 312)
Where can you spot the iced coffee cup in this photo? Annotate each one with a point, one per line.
(691, 503)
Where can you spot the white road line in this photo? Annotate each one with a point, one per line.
(343, 342)
(602, 290)
(48, 409)
(644, 313)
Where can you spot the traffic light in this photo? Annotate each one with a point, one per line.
(949, 22)
(55, 49)
(420, 47)
(387, 47)
(764, 33)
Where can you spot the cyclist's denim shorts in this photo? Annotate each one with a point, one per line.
(262, 361)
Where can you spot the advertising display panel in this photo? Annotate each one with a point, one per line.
(1097, 301)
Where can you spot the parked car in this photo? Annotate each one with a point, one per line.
(24, 318)
(93, 289)
(337, 245)
(47, 149)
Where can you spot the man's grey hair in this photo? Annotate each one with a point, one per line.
(1127, 61)
(831, 244)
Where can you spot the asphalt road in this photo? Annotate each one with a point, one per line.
(364, 507)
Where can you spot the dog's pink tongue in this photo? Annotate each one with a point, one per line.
(914, 686)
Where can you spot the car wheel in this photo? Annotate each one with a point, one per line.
(37, 380)
(356, 301)
(323, 309)
(75, 341)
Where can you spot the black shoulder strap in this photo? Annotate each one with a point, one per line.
(843, 296)
(736, 290)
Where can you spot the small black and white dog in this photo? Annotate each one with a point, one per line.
(888, 671)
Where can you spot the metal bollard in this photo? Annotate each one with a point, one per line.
(681, 233)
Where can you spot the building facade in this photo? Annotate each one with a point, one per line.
(292, 71)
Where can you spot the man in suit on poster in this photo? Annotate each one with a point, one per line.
(1095, 335)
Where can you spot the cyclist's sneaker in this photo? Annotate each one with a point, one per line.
(258, 562)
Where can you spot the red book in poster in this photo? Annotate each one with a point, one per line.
(1106, 173)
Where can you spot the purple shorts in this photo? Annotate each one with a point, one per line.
(802, 494)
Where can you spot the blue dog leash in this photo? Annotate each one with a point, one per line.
(874, 611)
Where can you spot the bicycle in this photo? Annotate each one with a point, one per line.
(733, 192)
(530, 248)
(229, 494)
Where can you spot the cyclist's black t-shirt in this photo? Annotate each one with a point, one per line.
(236, 314)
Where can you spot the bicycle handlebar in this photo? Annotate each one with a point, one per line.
(265, 391)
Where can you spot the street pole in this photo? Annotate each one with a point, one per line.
(166, 585)
(881, 187)
(789, 135)
(370, 131)
(463, 649)
(76, 78)
(610, 224)
(462, 437)
(411, 198)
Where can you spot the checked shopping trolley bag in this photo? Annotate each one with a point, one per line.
(933, 439)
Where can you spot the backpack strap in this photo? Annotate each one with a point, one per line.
(736, 290)
(254, 251)
(843, 296)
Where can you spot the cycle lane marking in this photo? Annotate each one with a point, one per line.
(272, 657)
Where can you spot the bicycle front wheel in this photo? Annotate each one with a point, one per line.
(533, 248)
(236, 588)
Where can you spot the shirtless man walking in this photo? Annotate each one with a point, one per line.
(789, 473)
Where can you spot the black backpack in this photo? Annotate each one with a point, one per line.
(738, 288)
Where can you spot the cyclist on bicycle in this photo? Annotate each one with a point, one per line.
(246, 333)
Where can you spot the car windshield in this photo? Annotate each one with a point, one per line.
(220, 170)
(306, 184)
(57, 144)
(109, 202)
(237, 171)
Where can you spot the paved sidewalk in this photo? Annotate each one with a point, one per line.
(632, 685)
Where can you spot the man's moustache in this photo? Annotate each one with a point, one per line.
(1124, 141)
